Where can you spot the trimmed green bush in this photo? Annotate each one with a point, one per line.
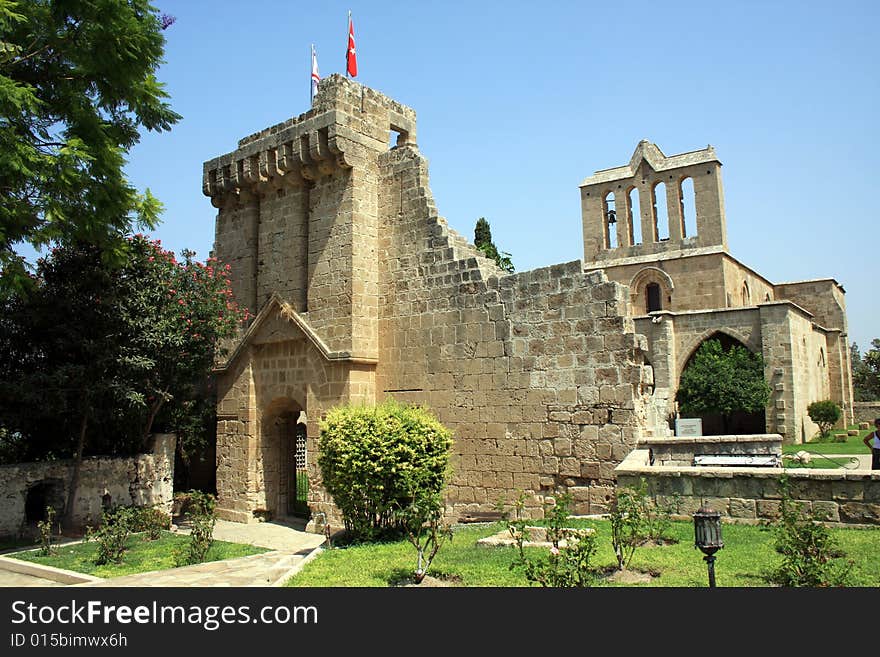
(825, 413)
(375, 460)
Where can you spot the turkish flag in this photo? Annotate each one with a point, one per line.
(351, 62)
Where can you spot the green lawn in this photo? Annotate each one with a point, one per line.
(142, 555)
(853, 444)
(747, 554)
(822, 462)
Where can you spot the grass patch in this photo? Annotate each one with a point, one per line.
(853, 444)
(142, 556)
(822, 462)
(748, 553)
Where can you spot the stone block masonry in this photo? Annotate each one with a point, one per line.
(539, 374)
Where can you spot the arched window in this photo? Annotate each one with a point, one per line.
(688, 207)
(653, 297)
(746, 294)
(661, 216)
(635, 216)
(821, 357)
(610, 221)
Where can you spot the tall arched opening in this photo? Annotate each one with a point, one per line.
(738, 422)
(283, 459)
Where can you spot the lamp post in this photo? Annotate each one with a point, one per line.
(707, 537)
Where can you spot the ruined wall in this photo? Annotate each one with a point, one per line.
(752, 494)
(866, 412)
(538, 373)
(142, 480)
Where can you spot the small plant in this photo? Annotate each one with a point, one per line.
(810, 556)
(569, 562)
(45, 529)
(200, 513)
(629, 522)
(825, 414)
(151, 521)
(113, 534)
(422, 521)
(658, 516)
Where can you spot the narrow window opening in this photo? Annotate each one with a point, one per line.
(688, 207)
(661, 216)
(634, 216)
(610, 221)
(653, 298)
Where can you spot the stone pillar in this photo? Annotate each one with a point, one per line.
(621, 204)
(649, 221)
(709, 200)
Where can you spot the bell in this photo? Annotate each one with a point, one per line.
(612, 217)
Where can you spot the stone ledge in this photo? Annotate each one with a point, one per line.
(46, 572)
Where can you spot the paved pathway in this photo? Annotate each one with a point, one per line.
(290, 549)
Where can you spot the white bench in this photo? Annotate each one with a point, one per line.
(741, 460)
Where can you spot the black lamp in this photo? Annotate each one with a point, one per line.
(707, 537)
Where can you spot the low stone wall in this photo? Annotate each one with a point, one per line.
(676, 451)
(866, 411)
(142, 480)
(752, 494)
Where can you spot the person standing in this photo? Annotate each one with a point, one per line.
(872, 441)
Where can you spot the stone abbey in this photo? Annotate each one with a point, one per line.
(548, 378)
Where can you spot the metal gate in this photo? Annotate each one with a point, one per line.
(298, 482)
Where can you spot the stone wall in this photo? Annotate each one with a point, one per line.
(539, 373)
(142, 480)
(752, 494)
(866, 411)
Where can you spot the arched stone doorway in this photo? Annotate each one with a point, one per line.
(283, 459)
(739, 422)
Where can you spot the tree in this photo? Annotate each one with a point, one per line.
(866, 372)
(723, 381)
(95, 352)
(77, 83)
(825, 413)
(483, 242)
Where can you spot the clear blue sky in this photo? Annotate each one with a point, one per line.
(518, 102)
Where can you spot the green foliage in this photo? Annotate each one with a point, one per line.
(825, 413)
(200, 513)
(629, 522)
(77, 85)
(112, 536)
(151, 521)
(568, 562)
(376, 460)
(483, 242)
(719, 381)
(45, 529)
(866, 372)
(810, 555)
(422, 522)
(112, 351)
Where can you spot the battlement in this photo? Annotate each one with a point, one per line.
(654, 204)
(345, 124)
